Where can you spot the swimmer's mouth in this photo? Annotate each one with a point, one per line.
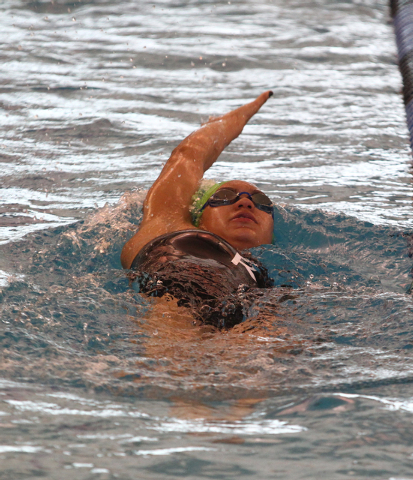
(246, 215)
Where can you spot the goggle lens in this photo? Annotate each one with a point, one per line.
(225, 196)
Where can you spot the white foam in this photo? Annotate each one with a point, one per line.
(252, 427)
(53, 409)
(6, 277)
(392, 404)
(19, 449)
(170, 451)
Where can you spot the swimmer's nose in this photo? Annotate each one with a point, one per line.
(245, 202)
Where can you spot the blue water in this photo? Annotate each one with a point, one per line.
(99, 382)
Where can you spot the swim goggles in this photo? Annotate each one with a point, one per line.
(226, 196)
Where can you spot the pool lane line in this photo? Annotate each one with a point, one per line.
(402, 15)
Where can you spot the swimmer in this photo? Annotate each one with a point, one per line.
(197, 258)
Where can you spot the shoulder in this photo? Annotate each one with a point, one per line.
(146, 233)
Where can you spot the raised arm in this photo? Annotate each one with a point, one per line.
(166, 207)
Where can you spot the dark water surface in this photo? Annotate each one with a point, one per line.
(98, 382)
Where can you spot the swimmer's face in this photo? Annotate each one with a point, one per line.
(241, 224)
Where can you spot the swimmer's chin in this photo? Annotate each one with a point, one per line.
(242, 239)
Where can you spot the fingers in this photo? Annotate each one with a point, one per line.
(252, 108)
(265, 96)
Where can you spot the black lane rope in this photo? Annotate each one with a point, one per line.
(402, 14)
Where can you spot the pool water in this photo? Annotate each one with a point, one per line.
(99, 382)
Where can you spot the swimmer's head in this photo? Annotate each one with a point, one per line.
(241, 223)
(206, 189)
